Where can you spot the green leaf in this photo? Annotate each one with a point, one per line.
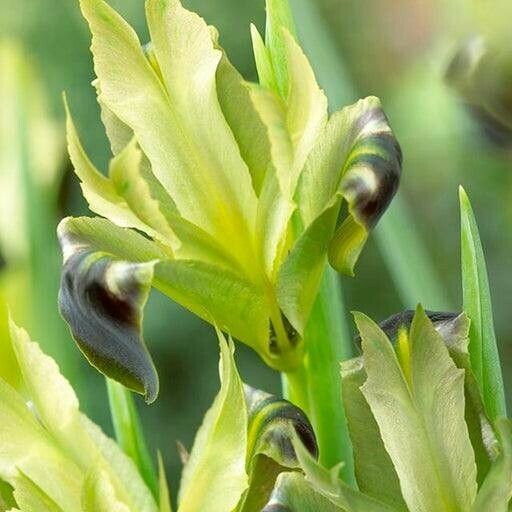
(129, 434)
(31, 498)
(421, 417)
(99, 494)
(483, 348)
(273, 425)
(165, 499)
(359, 157)
(293, 494)
(496, 491)
(214, 477)
(327, 483)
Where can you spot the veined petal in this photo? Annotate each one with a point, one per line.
(31, 498)
(116, 202)
(55, 405)
(272, 426)
(301, 272)
(32, 451)
(179, 125)
(126, 177)
(293, 493)
(126, 198)
(99, 494)
(119, 135)
(359, 156)
(272, 224)
(294, 121)
(417, 399)
(101, 299)
(245, 123)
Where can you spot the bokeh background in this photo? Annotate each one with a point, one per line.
(395, 49)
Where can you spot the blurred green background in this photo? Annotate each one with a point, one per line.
(395, 49)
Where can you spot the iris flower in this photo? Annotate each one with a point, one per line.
(223, 194)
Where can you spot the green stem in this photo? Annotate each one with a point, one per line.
(407, 259)
(128, 432)
(316, 386)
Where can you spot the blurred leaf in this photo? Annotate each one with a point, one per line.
(293, 494)
(483, 348)
(214, 477)
(421, 421)
(129, 434)
(496, 491)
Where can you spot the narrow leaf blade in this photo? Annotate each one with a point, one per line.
(129, 434)
(483, 347)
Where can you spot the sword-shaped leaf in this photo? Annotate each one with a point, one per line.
(483, 348)
(496, 491)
